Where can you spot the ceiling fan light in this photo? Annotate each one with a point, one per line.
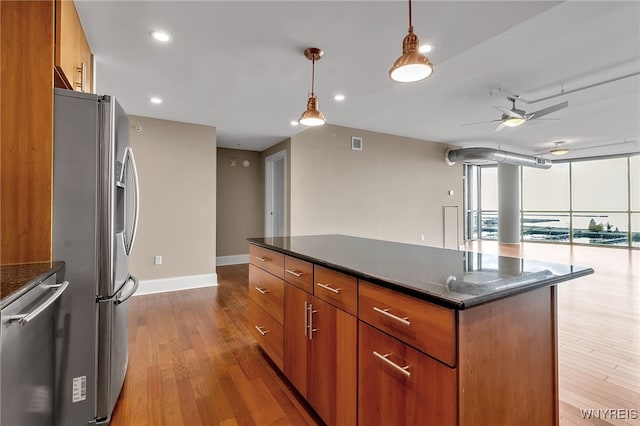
(312, 117)
(513, 121)
(412, 65)
(559, 151)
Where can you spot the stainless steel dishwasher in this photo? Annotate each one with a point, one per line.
(27, 356)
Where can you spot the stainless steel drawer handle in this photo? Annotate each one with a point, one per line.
(294, 272)
(386, 312)
(262, 290)
(24, 319)
(261, 331)
(328, 287)
(404, 370)
(261, 259)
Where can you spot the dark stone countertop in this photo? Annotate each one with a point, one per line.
(451, 278)
(15, 280)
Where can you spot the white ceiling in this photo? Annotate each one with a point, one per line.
(239, 66)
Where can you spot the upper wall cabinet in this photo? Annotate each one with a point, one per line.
(73, 57)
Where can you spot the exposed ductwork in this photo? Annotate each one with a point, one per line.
(490, 154)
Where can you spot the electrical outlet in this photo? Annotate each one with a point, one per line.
(157, 260)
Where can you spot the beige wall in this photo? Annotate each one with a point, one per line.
(394, 189)
(240, 203)
(177, 172)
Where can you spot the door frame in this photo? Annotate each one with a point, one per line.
(269, 177)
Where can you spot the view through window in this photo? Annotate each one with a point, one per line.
(583, 202)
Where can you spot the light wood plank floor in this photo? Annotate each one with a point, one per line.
(192, 361)
(598, 328)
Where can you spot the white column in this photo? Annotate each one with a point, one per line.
(508, 203)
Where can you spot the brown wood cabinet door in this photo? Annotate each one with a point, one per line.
(296, 341)
(334, 368)
(26, 151)
(73, 58)
(399, 385)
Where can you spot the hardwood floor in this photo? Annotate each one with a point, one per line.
(192, 361)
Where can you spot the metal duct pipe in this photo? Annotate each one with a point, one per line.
(490, 154)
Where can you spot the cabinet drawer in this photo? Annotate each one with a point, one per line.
(398, 385)
(267, 291)
(267, 332)
(299, 273)
(341, 290)
(268, 260)
(421, 324)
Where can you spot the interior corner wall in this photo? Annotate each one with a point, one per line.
(240, 209)
(395, 189)
(177, 173)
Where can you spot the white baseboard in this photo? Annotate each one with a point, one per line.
(232, 260)
(176, 283)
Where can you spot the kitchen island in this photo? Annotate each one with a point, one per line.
(376, 332)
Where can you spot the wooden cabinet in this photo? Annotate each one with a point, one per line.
(428, 327)
(364, 354)
(269, 260)
(267, 332)
(334, 287)
(320, 355)
(333, 363)
(73, 57)
(299, 273)
(266, 302)
(296, 338)
(26, 151)
(37, 38)
(399, 385)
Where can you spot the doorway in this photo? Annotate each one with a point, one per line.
(276, 194)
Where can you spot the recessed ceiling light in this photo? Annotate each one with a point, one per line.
(161, 36)
(155, 100)
(339, 97)
(425, 48)
(294, 123)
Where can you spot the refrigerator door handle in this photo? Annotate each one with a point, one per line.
(24, 319)
(124, 297)
(129, 157)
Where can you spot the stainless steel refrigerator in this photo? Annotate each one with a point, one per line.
(95, 216)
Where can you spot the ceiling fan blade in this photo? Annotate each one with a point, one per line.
(508, 112)
(500, 127)
(537, 114)
(479, 122)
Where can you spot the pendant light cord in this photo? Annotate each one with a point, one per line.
(313, 74)
(410, 24)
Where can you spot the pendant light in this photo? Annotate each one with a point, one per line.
(312, 117)
(412, 65)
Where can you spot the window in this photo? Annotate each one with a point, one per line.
(545, 190)
(600, 185)
(583, 202)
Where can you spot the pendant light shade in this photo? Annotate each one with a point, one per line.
(312, 117)
(412, 65)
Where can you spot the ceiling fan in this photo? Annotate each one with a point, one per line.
(515, 117)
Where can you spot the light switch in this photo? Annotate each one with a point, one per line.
(157, 260)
